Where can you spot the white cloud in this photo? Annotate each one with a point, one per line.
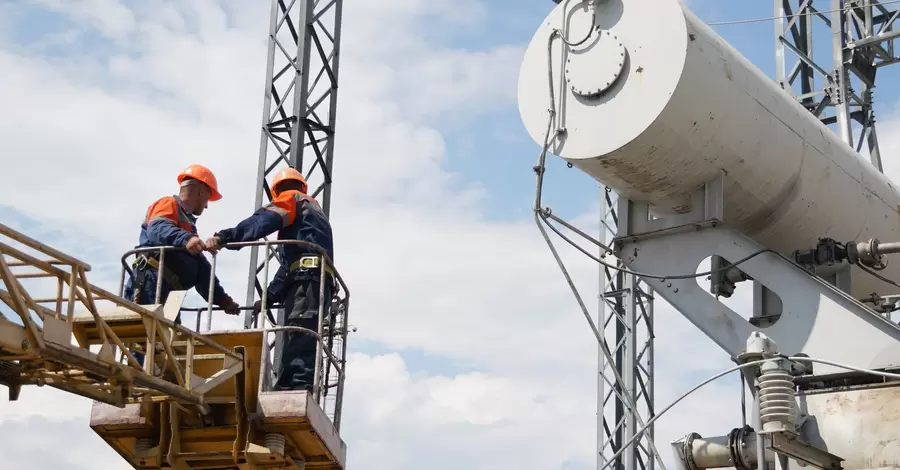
(109, 17)
(889, 140)
(94, 141)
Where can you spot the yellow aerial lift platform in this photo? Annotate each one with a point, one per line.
(198, 401)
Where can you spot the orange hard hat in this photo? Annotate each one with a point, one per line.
(288, 174)
(201, 173)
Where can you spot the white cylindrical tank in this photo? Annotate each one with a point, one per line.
(655, 104)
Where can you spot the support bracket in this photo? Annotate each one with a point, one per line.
(707, 210)
(815, 319)
(790, 445)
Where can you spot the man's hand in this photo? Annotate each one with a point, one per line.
(195, 245)
(213, 244)
(232, 308)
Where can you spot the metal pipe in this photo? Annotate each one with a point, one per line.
(889, 248)
(757, 423)
(320, 343)
(265, 291)
(339, 400)
(738, 449)
(262, 308)
(711, 452)
(122, 283)
(209, 293)
(318, 249)
(159, 274)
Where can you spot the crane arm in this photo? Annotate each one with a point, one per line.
(189, 403)
(36, 339)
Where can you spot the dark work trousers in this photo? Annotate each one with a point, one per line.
(298, 355)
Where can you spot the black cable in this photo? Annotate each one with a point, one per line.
(657, 276)
(870, 271)
(879, 276)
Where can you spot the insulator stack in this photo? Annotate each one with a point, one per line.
(776, 397)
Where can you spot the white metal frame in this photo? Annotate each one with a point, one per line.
(817, 318)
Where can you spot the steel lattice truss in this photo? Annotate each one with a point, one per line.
(36, 335)
(626, 320)
(837, 87)
(299, 112)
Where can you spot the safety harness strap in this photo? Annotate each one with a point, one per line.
(167, 273)
(309, 262)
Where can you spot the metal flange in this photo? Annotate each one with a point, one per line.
(595, 68)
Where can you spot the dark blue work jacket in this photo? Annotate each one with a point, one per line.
(295, 216)
(169, 223)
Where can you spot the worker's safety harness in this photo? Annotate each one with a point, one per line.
(309, 262)
(141, 262)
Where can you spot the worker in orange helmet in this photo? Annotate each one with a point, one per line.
(171, 221)
(295, 216)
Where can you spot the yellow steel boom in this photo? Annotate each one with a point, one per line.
(190, 404)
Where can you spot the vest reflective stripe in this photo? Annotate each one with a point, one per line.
(285, 216)
(159, 217)
(184, 221)
(300, 197)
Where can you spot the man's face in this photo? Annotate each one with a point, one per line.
(203, 195)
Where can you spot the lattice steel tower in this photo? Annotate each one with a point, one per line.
(837, 87)
(299, 111)
(626, 321)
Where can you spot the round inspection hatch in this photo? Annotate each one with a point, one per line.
(593, 69)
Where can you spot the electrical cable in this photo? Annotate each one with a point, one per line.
(539, 169)
(772, 18)
(868, 270)
(879, 276)
(660, 276)
(690, 276)
(887, 375)
(590, 32)
(662, 412)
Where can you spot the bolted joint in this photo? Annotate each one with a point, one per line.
(866, 253)
(736, 449)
